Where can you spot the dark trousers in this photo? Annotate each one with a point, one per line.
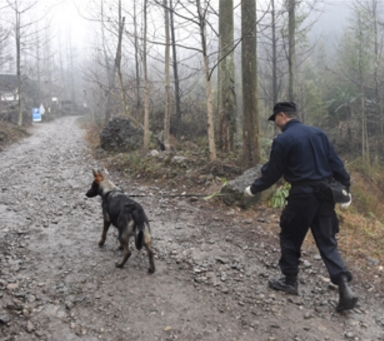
(306, 211)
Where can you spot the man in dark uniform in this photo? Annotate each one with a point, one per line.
(305, 157)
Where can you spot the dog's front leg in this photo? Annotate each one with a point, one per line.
(107, 224)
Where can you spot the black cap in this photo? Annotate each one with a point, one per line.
(282, 107)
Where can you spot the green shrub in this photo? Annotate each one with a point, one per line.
(279, 199)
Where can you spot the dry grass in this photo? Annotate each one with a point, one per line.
(10, 133)
(92, 132)
(362, 226)
(361, 236)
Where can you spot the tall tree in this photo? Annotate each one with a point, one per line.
(146, 83)
(121, 23)
(113, 64)
(110, 67)
(137, 54)
(167, 115)
(357, 67)
(4, 42)
(374, 10)
(291, 4)
(227, 95)
(362, 64)
(20, 29)
(210, 121)
(275, 90)
(175, 71)
(251, 144)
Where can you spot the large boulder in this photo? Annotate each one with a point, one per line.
(120, 135)
(233, 191)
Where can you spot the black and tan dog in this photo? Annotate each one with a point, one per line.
(123, 213)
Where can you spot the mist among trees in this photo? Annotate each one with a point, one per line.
(204, 71)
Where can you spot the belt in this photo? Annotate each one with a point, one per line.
(310, 182)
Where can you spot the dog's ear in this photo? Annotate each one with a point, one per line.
(98, 176)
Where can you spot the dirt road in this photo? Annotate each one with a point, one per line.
(212, 267)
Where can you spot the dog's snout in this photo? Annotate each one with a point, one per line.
(91, 193)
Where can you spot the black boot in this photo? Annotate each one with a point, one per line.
(288, 284)
(347, 299)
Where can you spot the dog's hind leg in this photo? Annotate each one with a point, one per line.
(147, 244)
(125, 232)
(107, 224)
(124, 242)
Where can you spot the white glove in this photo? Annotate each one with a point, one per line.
(248, 193)
(345, 205)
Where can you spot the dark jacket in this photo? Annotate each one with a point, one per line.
(302, 154)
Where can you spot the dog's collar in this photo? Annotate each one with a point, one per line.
(113, 192)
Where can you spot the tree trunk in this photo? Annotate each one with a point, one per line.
(175, 73)
(291, 50)
(111, 72)
(251, 146)
(72, 73)
(364, 127)
(378, 97)
(210, 120)
(118, 61)
(167, 115)
(146, 86)
(275, 90)
(227, 96)
(18, 67)
(274, 54)
(137, 62)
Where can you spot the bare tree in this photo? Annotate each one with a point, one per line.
(207, 72)
(4, 41)
(121, 23)
(227, 95)
(20, 29)
(291, 5)
(251, 144)
(175, 71)
(137, 55)
(167, 116)
(146, 85)
(374, 8)
(200, 21)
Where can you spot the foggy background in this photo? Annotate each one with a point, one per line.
(69, 57)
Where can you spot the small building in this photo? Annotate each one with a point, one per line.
(8, 87)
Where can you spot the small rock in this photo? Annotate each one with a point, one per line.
(225, 290)
(349, 335)
(30, 327)
(154, 153)
(4, 317)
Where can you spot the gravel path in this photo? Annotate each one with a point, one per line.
(211, 266)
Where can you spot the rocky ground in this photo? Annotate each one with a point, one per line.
(212, 262)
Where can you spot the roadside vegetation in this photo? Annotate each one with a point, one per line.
(10, 133)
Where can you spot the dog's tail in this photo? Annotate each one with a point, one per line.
(141, 220)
